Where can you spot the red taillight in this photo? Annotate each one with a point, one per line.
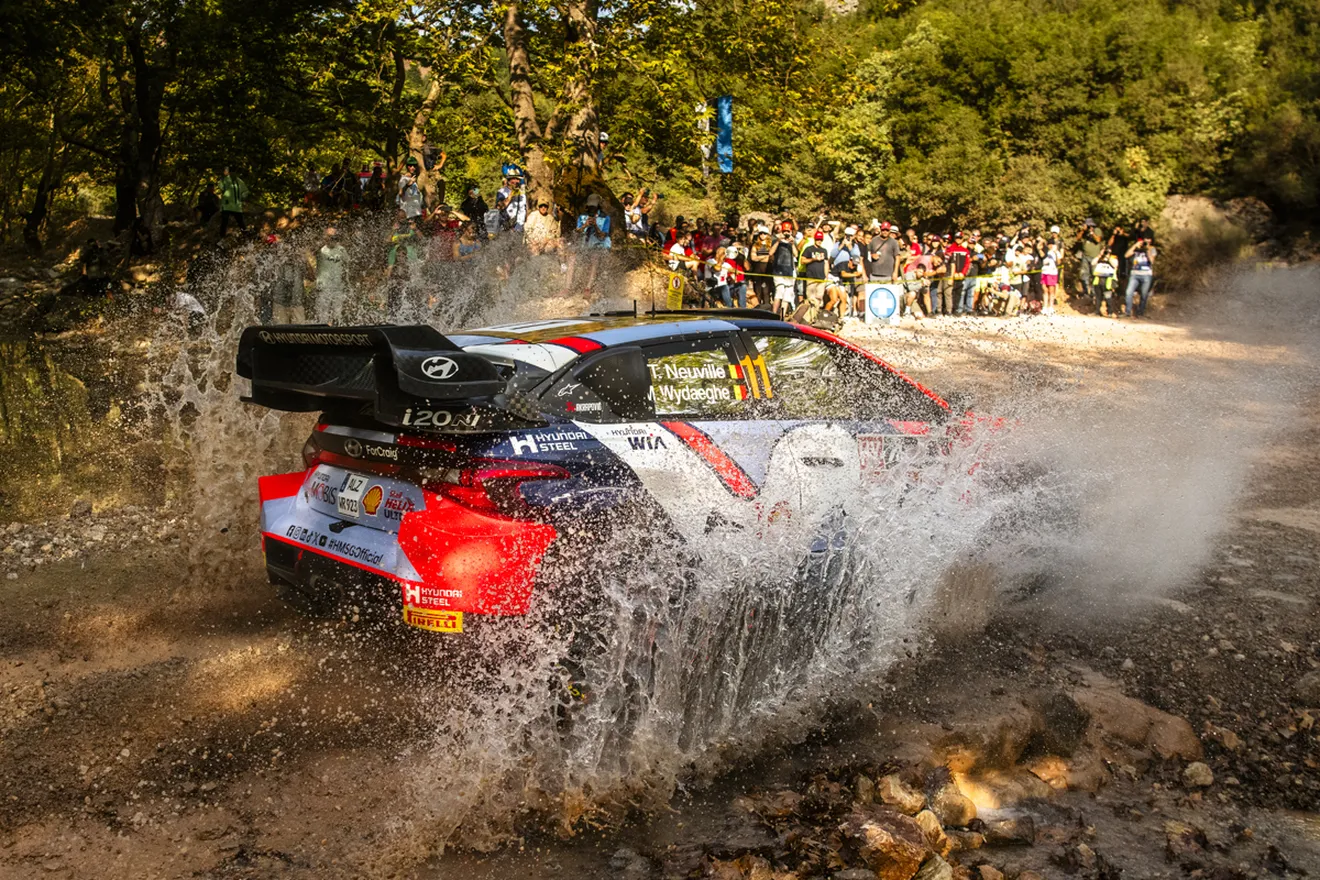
(493, 486)
(425, 442)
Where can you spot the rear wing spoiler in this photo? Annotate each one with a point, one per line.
(396, 371)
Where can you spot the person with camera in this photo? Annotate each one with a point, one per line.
(783, 266)
(1087, 248)
(1141, 275)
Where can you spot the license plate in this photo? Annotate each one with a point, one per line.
(435, 621)
(350, 495)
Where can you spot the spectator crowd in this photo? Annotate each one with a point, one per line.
(817, 271)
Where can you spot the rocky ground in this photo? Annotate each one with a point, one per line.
(161, 723)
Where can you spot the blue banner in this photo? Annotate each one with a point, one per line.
(724, 132)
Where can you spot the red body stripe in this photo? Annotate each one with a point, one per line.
(280, 485)
(821, 334)
(733, 476)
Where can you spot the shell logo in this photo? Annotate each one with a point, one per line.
(371, 501)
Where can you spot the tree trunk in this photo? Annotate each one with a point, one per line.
(417, 140)
(149, 86)
(522, 99)
(396, 93)
(34, 221)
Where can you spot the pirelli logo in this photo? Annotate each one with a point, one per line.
(435, 621)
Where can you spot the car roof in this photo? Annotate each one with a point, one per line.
(608, 330)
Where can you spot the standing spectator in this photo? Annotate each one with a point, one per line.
(233, 192)
(1087, 250)
(884, 256)
(208, 205)
(718, 271)
(374, 189)
(1141, 275)
(959, 260)
(851, 277)
(847, 250)
(783, 268)
(813, 262)
(637, 214)
(1023, 264)
(1049, 277)
(1104, 274)
(475, 207)
(403, 263)
(409, 194)
(311, 187)
(511, 202)
(594, 225)
(287, 288)
(331, 278)
(541, 231)
(758, 266)
(734, 259)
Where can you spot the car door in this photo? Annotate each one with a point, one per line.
(850, 421)
(679, 414)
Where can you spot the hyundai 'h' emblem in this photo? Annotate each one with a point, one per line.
(439, 367)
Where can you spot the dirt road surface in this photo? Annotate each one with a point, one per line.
(155, 724)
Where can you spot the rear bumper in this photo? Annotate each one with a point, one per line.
(445, 560)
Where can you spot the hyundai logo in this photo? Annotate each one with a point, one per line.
(439, 367)
(353, 448)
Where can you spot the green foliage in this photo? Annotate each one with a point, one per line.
(945, 112)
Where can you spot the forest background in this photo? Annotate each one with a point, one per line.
(940, 112)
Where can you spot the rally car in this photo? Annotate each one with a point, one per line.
(448, 468)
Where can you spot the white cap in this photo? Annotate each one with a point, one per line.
(593, 201)
(604, 138)
(851, 230)
(1055, 229)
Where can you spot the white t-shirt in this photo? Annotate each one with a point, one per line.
(676, 250)
(410, 196)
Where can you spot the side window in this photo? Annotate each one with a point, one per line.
(612, 387)
(816, 379)
(697, 379)
(803, 377)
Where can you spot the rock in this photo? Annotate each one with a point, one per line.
(1029, 875)
(1225, 737)
(1172, 737)
(1065, 724)
(965, 841)
(1128, 665)
(988, 872)
(1137, 724)
(1307, 689)
(1017, 831)
(1085, 772)
(81, 508)
(891, 844)
(930, 825)
(745, 867)
(893, 791)
(1198, 775)
(935, 869)
(952, 806)
(854, 874)
(626, 864)
(1183, 841)
(778, 804)
(864, 790)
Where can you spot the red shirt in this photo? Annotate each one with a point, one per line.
(735, 269)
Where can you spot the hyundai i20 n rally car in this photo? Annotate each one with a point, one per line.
(446, 468)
